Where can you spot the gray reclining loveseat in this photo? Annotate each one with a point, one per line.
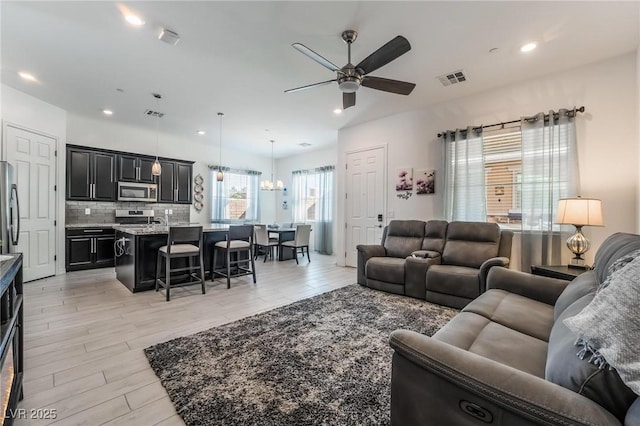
(444, 263)
(508, 359)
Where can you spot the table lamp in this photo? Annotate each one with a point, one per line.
(579, 212)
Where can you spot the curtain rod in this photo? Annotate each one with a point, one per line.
(546, 117)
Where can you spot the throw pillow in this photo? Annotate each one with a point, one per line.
(617, 265)
(608, 328)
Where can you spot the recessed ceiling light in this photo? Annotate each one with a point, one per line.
(134, 20)
(201, 132)
(27, 76)
(337, 111)
(528, 47)
(107, 112)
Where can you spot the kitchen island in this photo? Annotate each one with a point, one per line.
(136, 252)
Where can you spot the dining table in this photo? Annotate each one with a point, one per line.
(284, 234)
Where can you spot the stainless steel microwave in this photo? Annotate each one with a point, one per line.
(130, 191)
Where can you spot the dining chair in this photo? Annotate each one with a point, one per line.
(239, 242)
(182, 241)
(263, 243)
(300, 242)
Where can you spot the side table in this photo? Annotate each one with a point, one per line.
(562, 272)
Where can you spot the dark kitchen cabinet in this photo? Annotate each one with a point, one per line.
(175, 182)
(90, 175)
(133, 168)
(166, 192)
(184, 174)
(89, 248)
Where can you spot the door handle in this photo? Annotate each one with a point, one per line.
(14, 190)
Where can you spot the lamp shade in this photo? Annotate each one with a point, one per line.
(580, 212)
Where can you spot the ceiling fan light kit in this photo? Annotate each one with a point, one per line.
(350, 77)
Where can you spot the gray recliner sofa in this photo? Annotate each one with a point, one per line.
(444, 263)
(508, 358)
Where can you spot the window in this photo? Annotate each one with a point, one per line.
(502, 151)
(235, 199)
(306, 192)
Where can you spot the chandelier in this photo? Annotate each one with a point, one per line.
(271, 185)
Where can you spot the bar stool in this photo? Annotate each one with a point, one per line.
(263, 242)
(239, 241)
(180, 244)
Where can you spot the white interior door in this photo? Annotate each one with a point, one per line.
(33, 158)
(365, 200)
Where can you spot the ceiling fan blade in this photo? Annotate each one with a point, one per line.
(309, 86)
(316, 57)
(387, 85)
(387, 53)
(348, 100)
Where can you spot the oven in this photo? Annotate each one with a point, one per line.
(131, 191)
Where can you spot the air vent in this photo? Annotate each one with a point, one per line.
(154, 113)
(304, 144)
(452, 78)
(169, 37)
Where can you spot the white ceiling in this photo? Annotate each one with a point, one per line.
(236, 57)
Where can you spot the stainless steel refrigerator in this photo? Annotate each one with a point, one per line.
(9, 209)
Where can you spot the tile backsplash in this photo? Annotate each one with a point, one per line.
(105, 212)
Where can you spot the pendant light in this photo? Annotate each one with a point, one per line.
(271, 185)
(220, 175)
(156, 168)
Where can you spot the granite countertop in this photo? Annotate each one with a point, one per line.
(162, 229)
(8, 269)
(90, 225)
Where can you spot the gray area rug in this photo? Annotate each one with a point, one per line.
(319, 361)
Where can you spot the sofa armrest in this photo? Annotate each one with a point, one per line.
(366, 252)
(433, 382)
(415, 275)
(425, 254)
(488, 264)
(543, 289)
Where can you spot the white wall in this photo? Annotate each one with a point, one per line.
(33, 114)
(103, 134)
(304, 161)
(607, 138)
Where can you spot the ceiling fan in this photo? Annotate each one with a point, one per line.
(350, 77)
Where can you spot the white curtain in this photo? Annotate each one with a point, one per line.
(299, 191)
(465, 195)
(549, 172)
(324, 221)
(312, 194)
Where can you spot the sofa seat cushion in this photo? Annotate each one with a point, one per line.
(517, 312)
(387, 269)
(478, 334)
(455, 280)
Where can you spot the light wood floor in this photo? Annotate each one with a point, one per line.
(85, 332)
